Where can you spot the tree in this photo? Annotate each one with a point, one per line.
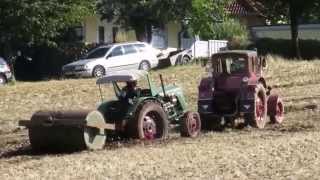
(204, 16)
(141, 15)
(292, 11)
(30, 22)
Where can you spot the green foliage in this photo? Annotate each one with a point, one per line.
(233, 31)
(204, 15)
(32, 22)
(277, 11)
(309, 48)
(210, 20)
(141, 15)
(293, 11)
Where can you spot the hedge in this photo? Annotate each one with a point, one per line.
(47, 61)
(310, 49)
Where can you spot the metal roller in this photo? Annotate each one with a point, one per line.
(57, 131)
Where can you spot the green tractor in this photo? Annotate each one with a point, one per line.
(138, 113)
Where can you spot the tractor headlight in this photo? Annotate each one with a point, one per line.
(173, 99)
(245, 79)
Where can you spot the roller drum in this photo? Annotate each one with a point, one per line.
(58, 131)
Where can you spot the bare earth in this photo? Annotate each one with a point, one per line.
(289, 151)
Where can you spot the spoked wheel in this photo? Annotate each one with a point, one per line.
(276, 108)
(190, 125)
(144, 65)
(258, 118)
(150, 123)
(149, 127)
(98, 71)
(182, 61)
(94, 137)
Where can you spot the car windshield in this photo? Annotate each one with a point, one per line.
(235, 65)
(98, 53)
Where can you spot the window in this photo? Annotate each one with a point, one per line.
(236, 65)
(101, 34)
(141, 47)
(116, 51)
(129, 49)
(98, 53)
(79, 33)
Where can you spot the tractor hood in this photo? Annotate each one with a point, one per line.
(170, 90)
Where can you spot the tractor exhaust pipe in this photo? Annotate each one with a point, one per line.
(162, 85)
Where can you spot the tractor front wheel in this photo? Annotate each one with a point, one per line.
(257, 119)
(190, 125)
(150, 123)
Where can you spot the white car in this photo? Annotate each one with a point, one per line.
(5, 73)
(122, 56)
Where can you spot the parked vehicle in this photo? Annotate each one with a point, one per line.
(237, 88)
(121, 56)
(135, 112)
(5, 72)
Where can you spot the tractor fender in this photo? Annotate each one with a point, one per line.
(142, 101)
(254, 80)
(272, 103)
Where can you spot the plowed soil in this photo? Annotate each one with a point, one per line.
(287, 151)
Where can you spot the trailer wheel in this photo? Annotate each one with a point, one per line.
(257, 119)
(190, 125)
(150, 123)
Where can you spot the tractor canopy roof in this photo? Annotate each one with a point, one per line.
(122, 76)
(243, 53)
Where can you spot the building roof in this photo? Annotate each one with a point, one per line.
(245, 8)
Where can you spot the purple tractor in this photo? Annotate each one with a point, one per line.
(236, 88)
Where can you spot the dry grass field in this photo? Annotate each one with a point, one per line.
(289, 151)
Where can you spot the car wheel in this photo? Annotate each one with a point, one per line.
(144, 65)
(182, 61)
(98, 71)
(2, 80)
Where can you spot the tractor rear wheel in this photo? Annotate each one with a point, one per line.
(257, 119)
(190, 125)
(150, 123)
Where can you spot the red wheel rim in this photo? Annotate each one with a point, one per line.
(279, 112)
(260, 109)
(193, 125)
(149, 128)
